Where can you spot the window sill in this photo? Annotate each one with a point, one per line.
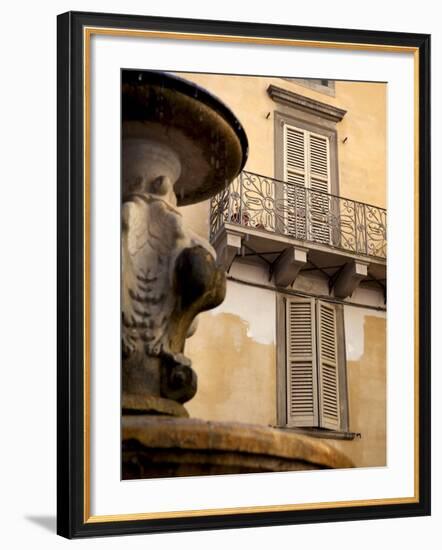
(322, 433)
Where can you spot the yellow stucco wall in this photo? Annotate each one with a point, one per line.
(366, 379)
(361, 159)
(233, 353)
(237, 381)
(236, 374)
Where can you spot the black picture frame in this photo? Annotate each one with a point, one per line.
(72, 513)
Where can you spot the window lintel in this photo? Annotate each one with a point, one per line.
(306, 104)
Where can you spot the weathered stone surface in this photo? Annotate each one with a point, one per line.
(160, 446)
(146, 404)
(180, 145)
(289, 265)
(205, 134)
(348, 280)
(227, 246)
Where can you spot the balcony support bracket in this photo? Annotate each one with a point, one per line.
(289, 264)
(349, 278)
(227, 246)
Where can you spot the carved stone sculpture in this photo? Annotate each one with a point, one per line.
(169, 276)
(173, 143)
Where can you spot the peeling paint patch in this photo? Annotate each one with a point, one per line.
(354, 320)
(255, 306)
(236, 375)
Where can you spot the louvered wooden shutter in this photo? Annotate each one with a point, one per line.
(307, 165)
(319, 184)
(302, 397)
(295, 173)
(329, 411)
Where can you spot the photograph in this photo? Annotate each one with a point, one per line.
(253, 273)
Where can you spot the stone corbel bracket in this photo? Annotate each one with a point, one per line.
(290, 263)
(227, 246)
(349, 278)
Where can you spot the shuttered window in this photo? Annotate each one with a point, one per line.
(307, 167)
(295, 155)
(327, 365)
(302, 398)
(295, 173)
(312, 364)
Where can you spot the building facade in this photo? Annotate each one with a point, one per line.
(300, 340)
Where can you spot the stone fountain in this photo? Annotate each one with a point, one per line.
(180, 145)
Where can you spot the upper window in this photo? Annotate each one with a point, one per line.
(306, 159)
(314, 364)
(306, 129)
(324, 86)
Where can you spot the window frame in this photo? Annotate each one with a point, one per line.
(281, 370)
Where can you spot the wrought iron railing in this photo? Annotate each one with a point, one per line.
(267, 204)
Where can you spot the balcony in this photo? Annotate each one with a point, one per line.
(275, 220)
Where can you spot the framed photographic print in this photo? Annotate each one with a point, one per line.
(237, 344)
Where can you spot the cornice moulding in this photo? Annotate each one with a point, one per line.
(306, 104)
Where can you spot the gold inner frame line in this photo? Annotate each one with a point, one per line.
(87, 34)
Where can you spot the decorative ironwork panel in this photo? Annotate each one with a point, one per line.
(267, 204)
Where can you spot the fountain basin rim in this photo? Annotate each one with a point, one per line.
(192, 90)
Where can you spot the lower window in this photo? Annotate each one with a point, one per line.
(315, 377)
